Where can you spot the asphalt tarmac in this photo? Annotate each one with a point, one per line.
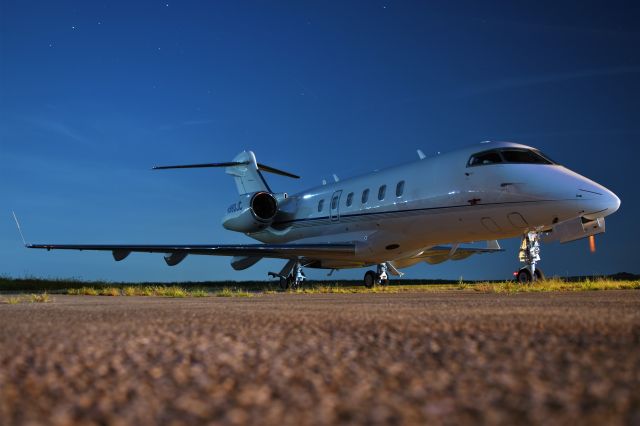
(456, 357)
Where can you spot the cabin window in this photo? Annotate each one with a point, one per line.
(400, 189)
(484, 158)
(381, 192)
(320, 205)
(334, 202)
(349, 199)
(365, 196)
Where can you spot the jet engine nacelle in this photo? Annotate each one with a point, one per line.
(251, 213)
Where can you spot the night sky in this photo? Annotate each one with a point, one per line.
(93, 94)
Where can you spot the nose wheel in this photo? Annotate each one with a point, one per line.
(379, 277)
(529, 255)
(524, 275)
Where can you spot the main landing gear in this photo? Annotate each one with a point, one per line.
(291, 275)
(530, 255)
(379, 277)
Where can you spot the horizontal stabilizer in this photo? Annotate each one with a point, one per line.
(261, 167)
(275, 171)
(198, 166)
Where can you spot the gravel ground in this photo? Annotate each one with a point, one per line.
(440, 358)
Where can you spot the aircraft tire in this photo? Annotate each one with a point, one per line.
(539, 274)
(524, 276)
(369, 279)
(284, 283)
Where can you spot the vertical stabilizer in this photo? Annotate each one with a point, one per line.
(248, 177)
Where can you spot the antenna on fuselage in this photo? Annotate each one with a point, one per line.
(324, 182)
(335, 178)
(421, 154)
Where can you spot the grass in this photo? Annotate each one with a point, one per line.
(250, 289)
(337, 289)
(555, 284)
(30, 298)
(39, 298)
(158, 290)
(199, 292)
(233, 292)
(32, 284)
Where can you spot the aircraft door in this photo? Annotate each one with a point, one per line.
(334, 207)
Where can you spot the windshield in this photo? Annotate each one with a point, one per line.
(508, 155)
(483, 158)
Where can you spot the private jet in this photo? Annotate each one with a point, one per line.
(431, 210)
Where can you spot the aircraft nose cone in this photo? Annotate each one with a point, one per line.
(613, 202)
(603, 203)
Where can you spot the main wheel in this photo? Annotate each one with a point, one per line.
(293, 284)
(524, 276)
(369, 279)
(284, 283)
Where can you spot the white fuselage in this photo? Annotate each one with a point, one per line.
(434, 201)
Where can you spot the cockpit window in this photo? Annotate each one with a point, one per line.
(546, 157)
(508, 155)
(484, 158)
(523, 156)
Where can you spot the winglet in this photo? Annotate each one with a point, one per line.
(18, 225)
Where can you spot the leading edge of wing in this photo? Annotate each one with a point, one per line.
(284, 251)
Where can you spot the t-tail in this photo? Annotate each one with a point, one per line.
(246, 171)
(257, 205)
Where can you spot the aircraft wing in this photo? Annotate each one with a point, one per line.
(174, 254)
(439, 254)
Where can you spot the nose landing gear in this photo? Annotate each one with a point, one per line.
(530, 255)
